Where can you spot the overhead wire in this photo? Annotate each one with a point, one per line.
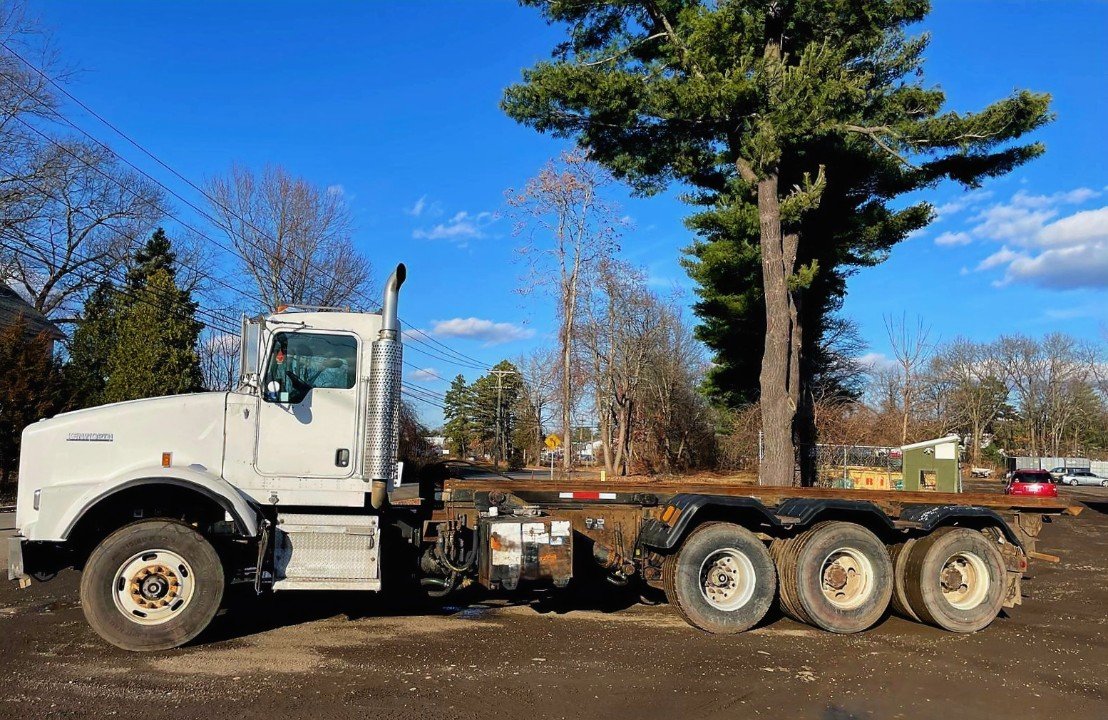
(459, 358)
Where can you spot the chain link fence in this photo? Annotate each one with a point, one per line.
(870, 467)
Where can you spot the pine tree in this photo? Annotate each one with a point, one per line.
(458, 413)
(156, 330)
(156, 254)
(86, 370)
(797, 123)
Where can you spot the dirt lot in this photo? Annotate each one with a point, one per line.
(338, 656)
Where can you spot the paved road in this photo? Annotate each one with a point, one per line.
(585, 655)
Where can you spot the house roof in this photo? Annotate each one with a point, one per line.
(12, 307)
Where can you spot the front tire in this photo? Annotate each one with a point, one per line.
(836, 576)
(152, 585)
(722, 580)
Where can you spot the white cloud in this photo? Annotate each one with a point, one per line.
(954, 238)
(462, 226)
(962, 202)
(492, 333)
(1000, 258)
(425, 375)
(336, 190)
(1039, 247)
(418, 207)
(875, 361)
(1080, 227)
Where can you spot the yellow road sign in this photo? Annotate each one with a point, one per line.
(553, 441)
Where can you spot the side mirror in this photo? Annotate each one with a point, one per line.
(273, 387)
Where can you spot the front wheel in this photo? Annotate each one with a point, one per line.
(152, 585)
(722, 580)
(1073, 483)
(1104, 483)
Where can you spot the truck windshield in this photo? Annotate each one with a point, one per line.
(299, 362)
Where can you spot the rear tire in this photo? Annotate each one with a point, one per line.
(722, 580)
(899, 555)
(152, 585)
(836, 576)
(956, 580)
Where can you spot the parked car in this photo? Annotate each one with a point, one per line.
(1082, 476)
(1058, 472)
(1031, 482)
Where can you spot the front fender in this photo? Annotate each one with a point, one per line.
(63, 506)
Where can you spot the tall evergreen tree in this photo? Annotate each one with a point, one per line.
(156, 254)
(458, 413)
(796, 123)
(155, 349)
(86, 370)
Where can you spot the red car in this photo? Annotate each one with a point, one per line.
(1031, 482)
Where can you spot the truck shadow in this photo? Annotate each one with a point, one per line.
(245, 614)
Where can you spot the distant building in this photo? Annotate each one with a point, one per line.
(438, 442)
(13, 308)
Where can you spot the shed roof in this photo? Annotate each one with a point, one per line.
(12, 307)
(932, 443)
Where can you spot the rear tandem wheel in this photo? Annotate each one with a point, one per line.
(721, 580)
(835, 575)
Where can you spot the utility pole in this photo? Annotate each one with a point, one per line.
(499, 390)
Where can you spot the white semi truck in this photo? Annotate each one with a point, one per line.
(289, 483)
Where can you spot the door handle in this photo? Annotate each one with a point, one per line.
(342, 457)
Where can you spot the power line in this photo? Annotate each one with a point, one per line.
(200, 273)
(120, 290)
(466, 360)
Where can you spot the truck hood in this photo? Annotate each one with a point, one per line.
(72, 451)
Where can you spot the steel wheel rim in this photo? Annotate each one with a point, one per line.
(153, 587)
(846, 578)
(727, 579)
(964, 580)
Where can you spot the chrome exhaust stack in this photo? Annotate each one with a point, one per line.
(382, 433)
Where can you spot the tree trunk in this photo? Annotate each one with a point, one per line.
(975, 454)
(778, 381)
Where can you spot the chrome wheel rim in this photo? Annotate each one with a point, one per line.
(846, 578)
(153, 587)
(964, 580)
(727, 579)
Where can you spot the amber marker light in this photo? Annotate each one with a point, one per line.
(167, 459)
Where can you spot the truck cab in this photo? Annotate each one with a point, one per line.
(312, 424)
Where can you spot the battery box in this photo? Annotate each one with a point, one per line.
(533, 549)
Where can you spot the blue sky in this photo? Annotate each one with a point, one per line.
(397, 105)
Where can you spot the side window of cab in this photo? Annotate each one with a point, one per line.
(300, 362)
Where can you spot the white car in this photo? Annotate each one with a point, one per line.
(1082, 476)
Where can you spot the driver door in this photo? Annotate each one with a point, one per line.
(307, 420)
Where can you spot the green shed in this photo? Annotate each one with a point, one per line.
(932, 465)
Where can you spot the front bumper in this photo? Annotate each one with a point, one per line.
(15, 561)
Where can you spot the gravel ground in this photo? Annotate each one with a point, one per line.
(350, 655)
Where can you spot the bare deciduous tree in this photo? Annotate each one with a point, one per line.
(219, 359)
(619, 329)
(569, 227)
(82, 217)
(293, 238)
(912, 348)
